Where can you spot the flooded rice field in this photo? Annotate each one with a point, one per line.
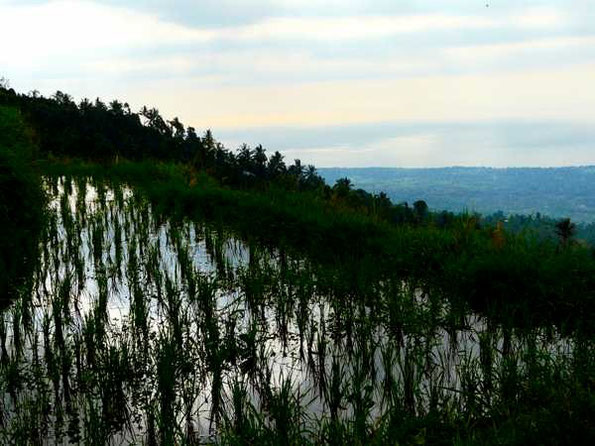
(140, 329)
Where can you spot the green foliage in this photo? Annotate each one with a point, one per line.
(464, 259)
(543, 227)
(21, 202)
(100, 132)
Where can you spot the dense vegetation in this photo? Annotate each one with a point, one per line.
(21, 203)
(185, 293)
(540, 226)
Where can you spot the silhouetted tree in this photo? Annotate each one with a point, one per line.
(178, 129)
(382, 205)
(276, 166)
(565, 230)
(85, 105)
(259, 162)
(244, 158)
(342, 187)
(63, 99)
(94, 130)
(99, 105)
(116, 107)
(311, 178)
(296, 168)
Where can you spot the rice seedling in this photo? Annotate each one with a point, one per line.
(145, 328)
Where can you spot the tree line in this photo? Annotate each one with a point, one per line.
(105, 132)
(544, 227)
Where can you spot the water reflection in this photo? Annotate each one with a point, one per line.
(141, 329)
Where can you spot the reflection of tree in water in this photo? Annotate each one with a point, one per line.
(153, 331)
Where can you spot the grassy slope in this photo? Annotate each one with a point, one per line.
(21, 202)
(536, 280)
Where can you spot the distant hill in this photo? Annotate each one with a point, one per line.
(556, 192)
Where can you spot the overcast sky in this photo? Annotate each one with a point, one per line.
(349, 83)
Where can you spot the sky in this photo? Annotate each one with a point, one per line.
(352, 83)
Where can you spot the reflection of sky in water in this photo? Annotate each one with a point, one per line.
(299, 332)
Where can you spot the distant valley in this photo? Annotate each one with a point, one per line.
(555, 192)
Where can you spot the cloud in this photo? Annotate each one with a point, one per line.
(256, 65)
(491, 51)
(544, 17)
(557, 94)
(412, 150)
(81, 27)
(366, 27)
(67, 26)
(354, 28)
(493, 143)
(286, 64)
(65, 38)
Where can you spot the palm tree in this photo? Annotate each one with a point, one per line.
(296, 169)
(259, 160)
(177, 128)
(116, 107)
(245, 157)
(342, 187)
(276, 165)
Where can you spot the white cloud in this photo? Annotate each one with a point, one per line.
(491, 51)
(556, 94)
(353, 28)
(244, 75)
(66, 37)
(411, 150)
(543, 17)
(65, 27)
(137, 65)
(374, 26)
(451, 145)
(238, 66)
(78, 28)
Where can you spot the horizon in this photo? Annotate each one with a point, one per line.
(570, 166)
(426, 84)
